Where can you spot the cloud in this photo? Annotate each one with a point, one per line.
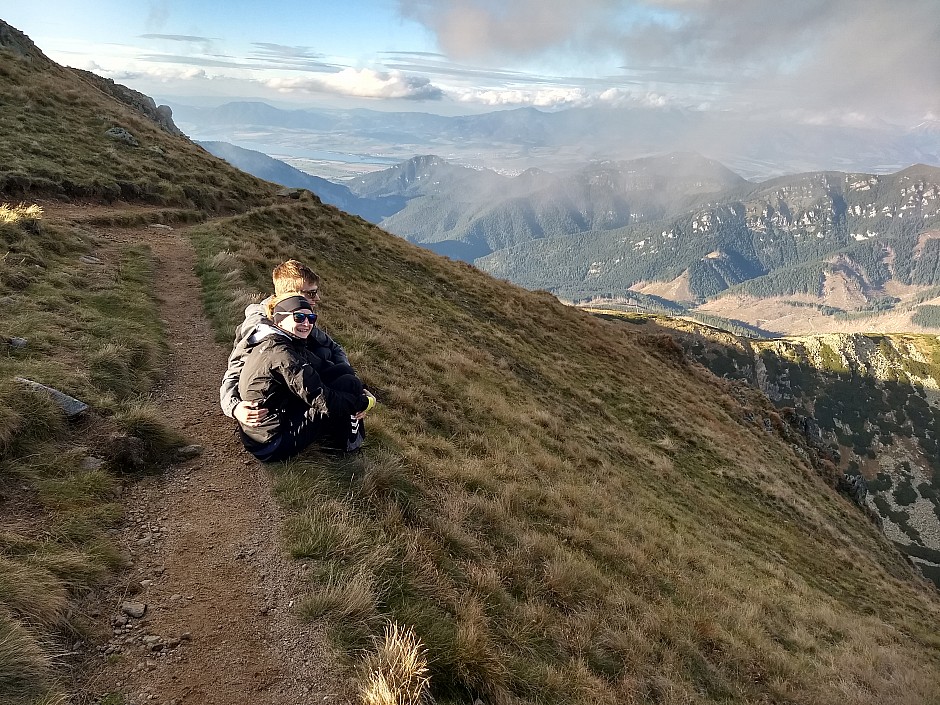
(163, 74)
(290, 58)
(539, 97)
(362, 83)
(559, 97)
(869, 56)
(158, 13)
(195, 61)
(204, 44)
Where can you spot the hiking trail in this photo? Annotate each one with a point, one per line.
(203, 541)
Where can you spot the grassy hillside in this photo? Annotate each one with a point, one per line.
(565, 512)
(872, 402)
(54, 143)
(79, 317)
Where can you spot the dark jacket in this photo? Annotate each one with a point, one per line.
(283, 374)
(319, 342)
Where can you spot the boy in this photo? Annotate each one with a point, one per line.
(290, 276)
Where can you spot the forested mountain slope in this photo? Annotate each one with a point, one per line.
(779, 239)
(469, 213)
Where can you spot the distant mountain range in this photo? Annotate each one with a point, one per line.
(265, 167)
(680, 228)
(777, 238)
(515, 140)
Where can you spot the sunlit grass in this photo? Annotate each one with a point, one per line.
(564, 512)
(395, 672)
(52, 136)
(19, 213)
(90, 331)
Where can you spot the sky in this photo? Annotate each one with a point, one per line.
(849, 62)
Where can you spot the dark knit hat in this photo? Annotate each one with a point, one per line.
(290, 304)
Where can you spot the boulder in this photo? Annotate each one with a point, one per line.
(122, 135)
(70, 405)
(855, 487)
(18, 342)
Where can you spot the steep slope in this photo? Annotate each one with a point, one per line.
(270, 169)
(539, 479)
(870, 403)
(54, 137)
(563, 510)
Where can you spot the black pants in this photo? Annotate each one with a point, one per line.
(299, 430)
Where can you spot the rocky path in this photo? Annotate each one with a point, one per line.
(207, 566)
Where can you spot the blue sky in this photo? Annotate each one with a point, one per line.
(838, 61)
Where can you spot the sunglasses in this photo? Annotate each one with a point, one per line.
(301, 317)
(310, 293)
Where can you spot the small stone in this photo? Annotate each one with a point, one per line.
(90, 462)
(18, 342)
(186, 636)
(159, 570)
(159, 226)
(70, 405)
(88, 259)
(134, 609)
(146, 583)
(190, 451)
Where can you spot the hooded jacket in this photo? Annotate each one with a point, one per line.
(282, 373)
(319, 342)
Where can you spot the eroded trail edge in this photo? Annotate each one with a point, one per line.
(220, 625)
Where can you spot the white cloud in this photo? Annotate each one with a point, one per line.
(361, 83)
(163, 74)
(558, 97)
(619, 97)
(539, 97)
(871, 57)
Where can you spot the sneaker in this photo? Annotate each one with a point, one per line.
(357, 433)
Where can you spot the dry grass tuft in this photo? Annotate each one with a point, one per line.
(396, 673)
(349, 603)
(31, 592)
(20, 213)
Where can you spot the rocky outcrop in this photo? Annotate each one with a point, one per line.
(21, 46)
(162, 115)
(867, 406)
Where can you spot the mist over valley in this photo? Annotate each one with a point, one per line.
(822, 250)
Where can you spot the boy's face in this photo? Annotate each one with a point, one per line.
(312, 291)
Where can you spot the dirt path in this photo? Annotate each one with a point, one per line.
(203, 538)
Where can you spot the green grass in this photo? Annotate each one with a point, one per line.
(565, 512)
(92, 331)
(41, 158)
